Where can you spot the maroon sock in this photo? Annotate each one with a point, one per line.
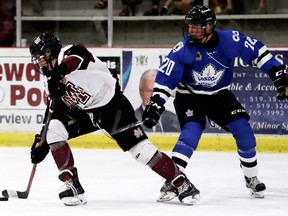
(164, 166)
(62, 155)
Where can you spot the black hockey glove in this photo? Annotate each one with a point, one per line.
(38, 154)
(61, 69)
(280, 79)
(56, 87)
(153, 111)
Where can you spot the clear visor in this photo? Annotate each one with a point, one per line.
(198, 31)
(38, 59)
(40, 64)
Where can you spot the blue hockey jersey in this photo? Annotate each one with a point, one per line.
(208, 70)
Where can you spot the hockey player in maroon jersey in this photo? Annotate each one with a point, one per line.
(89, 99)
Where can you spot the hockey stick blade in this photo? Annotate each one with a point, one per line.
(14, 194)
(3, 199)
(24, 194)
(127, 127)
(20, 194)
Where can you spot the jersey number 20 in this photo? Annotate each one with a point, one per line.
(167, 66)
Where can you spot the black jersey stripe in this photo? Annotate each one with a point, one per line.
(161, 91)
(262, 56)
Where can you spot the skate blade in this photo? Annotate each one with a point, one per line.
(166, 196)
(258, 195)
(74, 201)
(191, 200)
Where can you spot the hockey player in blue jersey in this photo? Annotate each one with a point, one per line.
(200, 68)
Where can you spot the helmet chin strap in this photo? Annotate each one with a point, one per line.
(206, 37)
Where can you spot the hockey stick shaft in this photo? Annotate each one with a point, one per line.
(24, 194)
(127, 127)
(49, 116)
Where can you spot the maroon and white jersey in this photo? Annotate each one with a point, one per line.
(89, 82)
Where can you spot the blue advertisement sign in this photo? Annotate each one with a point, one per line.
(256, 92)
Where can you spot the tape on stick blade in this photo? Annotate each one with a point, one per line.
(3, 199)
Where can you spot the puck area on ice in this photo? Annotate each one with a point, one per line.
(3, 199)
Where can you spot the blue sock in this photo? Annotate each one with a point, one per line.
(187, 143)
(244, 136)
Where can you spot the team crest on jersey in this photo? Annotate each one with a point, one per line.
(198, 56)
(208, 77)
(189, 113)
(138, 132)
(178, 47)
(75, 96)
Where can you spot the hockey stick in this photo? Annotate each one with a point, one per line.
(19, 194)
(24, 194)
(127, 127)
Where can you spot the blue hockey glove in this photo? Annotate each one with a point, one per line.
(280, 79)
(38, 154)
(153, 111)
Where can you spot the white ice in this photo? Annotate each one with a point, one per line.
(117, 185)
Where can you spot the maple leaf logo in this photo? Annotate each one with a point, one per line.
(208, 77)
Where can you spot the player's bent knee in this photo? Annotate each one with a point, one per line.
(56, 132)
(191, 134)
(243, 134)
(143, 152)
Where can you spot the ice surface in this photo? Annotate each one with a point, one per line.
(117, 185)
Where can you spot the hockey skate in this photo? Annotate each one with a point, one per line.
(72, 191)
(256, 187)
(187, 192)
(167, 192)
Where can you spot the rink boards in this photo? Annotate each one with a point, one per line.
(22, 100)
(225, 143)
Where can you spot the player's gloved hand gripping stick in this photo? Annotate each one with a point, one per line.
(153, 111)
(42, 141)
(280, 79)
